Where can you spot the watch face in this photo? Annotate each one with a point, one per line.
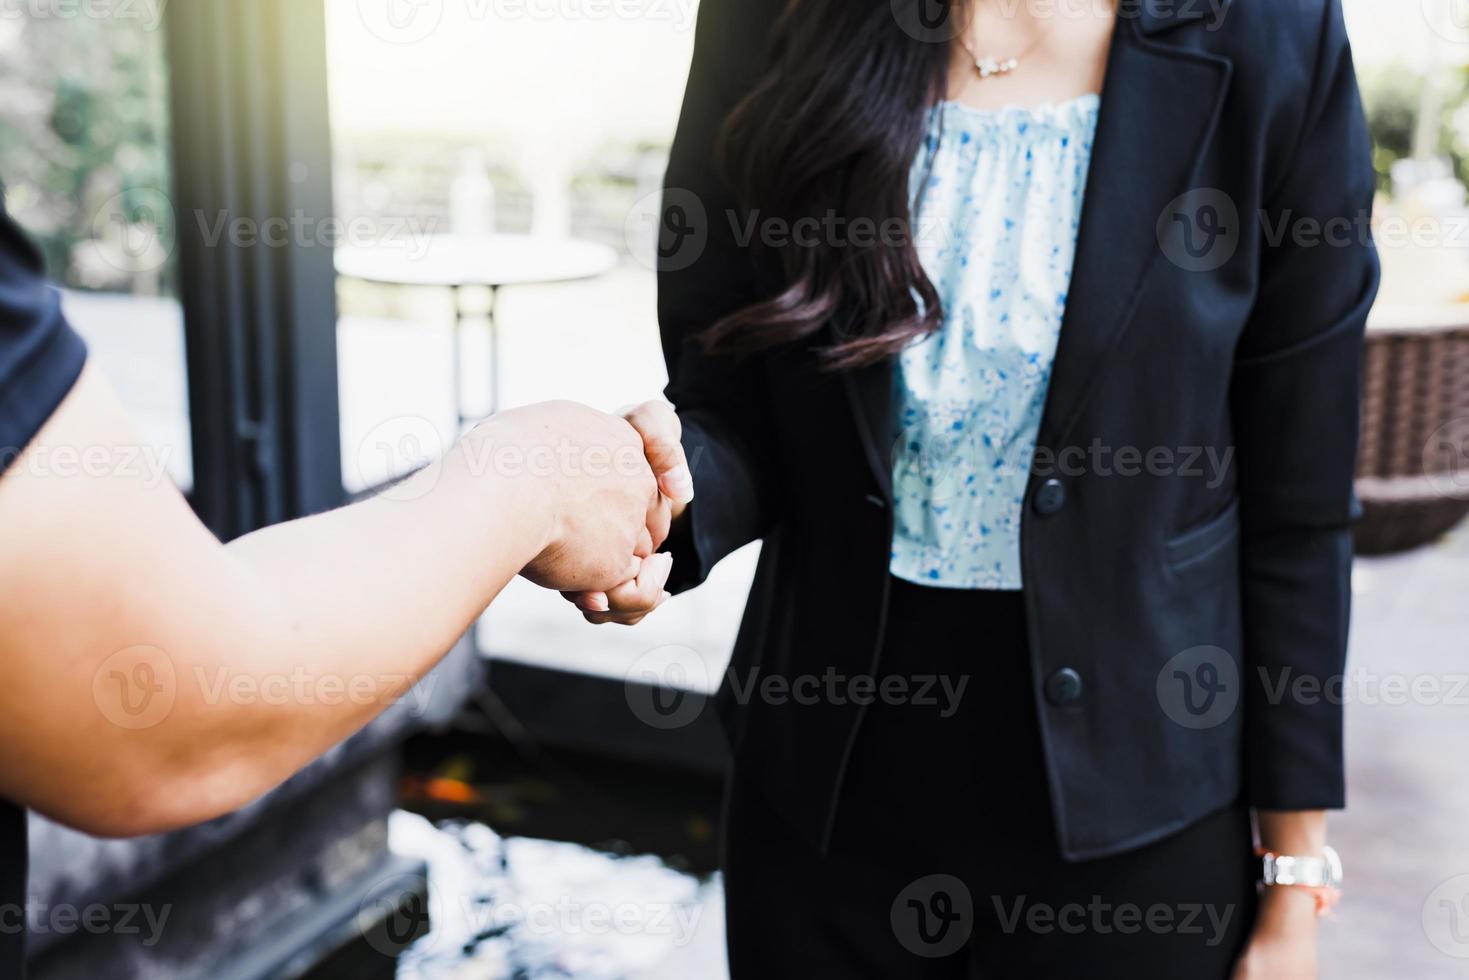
(1333, 867)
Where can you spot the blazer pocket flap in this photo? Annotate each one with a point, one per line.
(1202, 540)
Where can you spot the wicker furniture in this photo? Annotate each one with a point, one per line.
(1413, 469)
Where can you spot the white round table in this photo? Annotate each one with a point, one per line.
(491, 262)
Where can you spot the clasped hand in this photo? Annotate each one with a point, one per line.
(609, 490)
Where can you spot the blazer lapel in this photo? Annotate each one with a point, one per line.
(1159, 107)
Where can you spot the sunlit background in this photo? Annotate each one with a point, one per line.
(541, 131)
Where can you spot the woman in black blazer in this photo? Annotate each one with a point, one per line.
(1074, 795)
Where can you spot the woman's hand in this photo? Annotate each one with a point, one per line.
(1283, 944)
(627, 604)
(585, 477)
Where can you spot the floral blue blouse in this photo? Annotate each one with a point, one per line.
(997, 203)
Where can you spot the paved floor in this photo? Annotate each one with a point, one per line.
(1405, 833)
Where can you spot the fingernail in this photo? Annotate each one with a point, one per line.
(678, 483)
(595, 602)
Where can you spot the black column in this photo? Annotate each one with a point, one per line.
(252, 196)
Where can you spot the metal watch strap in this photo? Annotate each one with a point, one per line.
(1313, 872)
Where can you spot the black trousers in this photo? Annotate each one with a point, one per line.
(944, 861)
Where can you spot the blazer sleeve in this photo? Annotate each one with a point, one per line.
(1295, 403)
(705, 273)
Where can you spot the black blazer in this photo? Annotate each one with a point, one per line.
(1177, 622)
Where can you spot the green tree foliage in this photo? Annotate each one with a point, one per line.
(1393, 97)
(84, 142)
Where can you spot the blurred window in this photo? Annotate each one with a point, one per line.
(84, 165)
(541, 131)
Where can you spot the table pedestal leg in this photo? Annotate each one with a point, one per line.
(494, 324)
(457, 383)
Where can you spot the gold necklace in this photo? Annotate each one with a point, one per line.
(989, 66)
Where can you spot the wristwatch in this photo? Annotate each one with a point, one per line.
(1322, 876)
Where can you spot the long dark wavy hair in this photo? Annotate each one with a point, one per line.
(831, 131)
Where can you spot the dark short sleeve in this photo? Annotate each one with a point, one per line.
(12, 891)
(40, 358)
(40, 355)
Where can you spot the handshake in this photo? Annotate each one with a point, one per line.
(377, 591)
(607, 490)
